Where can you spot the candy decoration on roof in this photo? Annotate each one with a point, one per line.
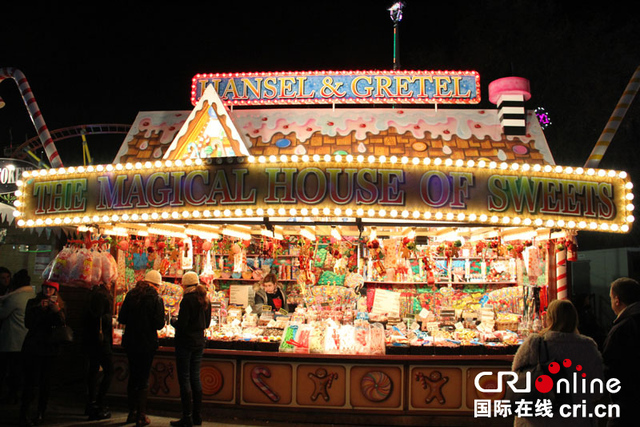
(509, 94)
(616, 117)
(543, 117)
(208, 132)
(34, 113)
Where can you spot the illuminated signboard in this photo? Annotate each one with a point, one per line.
(342, 87)
(487, 194)
(10, 172)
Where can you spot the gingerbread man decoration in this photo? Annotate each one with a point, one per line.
(434, 382)
(321, 382)
(161, 372)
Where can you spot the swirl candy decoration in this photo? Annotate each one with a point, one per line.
(376, 386)
(212, 380)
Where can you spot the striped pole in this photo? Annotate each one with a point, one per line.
(34, 113)
(561, 274)
(614, 122)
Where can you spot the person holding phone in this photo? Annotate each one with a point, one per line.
(42, 314)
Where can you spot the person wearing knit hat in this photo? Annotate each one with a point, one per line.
(190, 279)
(53, 285)
(193, 318)
(142, 313)
(154, 277)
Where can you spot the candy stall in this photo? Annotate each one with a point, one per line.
(416, 247)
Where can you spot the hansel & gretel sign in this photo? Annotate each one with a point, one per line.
(342, 87)
(249, 187)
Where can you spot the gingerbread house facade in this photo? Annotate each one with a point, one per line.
(444, 133)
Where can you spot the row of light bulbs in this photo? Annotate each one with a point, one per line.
(328, 212)
(427, 161)
(338, 158)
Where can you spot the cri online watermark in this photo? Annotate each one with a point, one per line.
(546, 386)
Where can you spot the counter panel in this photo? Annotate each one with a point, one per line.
(409, 384)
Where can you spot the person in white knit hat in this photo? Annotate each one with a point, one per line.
(142, 313)
(193, 318)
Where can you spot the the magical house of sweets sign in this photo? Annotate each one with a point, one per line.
(251, 188)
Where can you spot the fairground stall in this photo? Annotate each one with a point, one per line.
(416, 246)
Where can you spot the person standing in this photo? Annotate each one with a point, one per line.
(13, 331)
(98, 342)
(621, 351)
(5, 280)
(43, 313)
(193, 318)
(560, 340)
(142, 313)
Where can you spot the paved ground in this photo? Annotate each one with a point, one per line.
(66, 408)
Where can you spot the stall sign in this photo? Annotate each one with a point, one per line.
(342, 87)
(10, 172)
(241, 187)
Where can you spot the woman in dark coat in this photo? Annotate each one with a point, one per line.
(42, 314)
(98, 341)
(193, 318)
(142, 313)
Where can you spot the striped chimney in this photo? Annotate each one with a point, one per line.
(510, 94)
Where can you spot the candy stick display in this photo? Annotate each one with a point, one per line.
(561, 274)
(34, 113)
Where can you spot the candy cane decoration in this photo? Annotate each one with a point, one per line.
(34, 113)
(614, 122)
(561, 274)
(257, 375)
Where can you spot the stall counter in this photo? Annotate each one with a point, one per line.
(391, 384)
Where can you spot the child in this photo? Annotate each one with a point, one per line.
(270, 294)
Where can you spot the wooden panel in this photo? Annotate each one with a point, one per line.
(489, 382)
(435, 388)
(163, 380)
(267, 383)
(321, 385)
(377, 387)
(218, 380)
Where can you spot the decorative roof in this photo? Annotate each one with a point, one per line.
(445, 133)
(208, 132)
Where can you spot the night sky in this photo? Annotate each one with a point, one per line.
(89, 65)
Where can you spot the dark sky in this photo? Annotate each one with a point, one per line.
(88, 65)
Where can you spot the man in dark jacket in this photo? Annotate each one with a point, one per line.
(98, 340)
(621, 351)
